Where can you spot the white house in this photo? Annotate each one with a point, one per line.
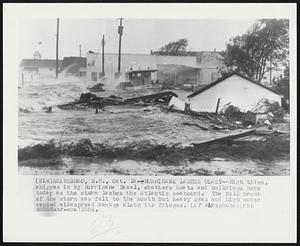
(235, 89)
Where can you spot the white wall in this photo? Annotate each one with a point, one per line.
(240, 92)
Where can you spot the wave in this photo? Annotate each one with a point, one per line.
(35, 96)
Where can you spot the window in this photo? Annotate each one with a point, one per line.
(139, 74)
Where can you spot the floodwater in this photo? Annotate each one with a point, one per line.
(117, 126)
(218, 166)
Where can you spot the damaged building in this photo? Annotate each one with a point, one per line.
(233, 89)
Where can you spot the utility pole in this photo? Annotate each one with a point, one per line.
(103, 55)
(57, 38)
(80, 50)
(120, 32)
(270, 69)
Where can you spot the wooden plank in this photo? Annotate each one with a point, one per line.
(217, 108)
(268, 132)
(198, 114)
(227, 138)
(156, 96)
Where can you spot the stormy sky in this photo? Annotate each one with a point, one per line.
(139, 37)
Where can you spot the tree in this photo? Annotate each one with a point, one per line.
(262, 48)
(175, 48)
(282, 85)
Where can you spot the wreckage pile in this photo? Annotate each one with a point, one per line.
(91, 100)
(231, 117)
(265, 107)
(263, 113)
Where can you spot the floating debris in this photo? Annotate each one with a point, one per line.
(92, 100)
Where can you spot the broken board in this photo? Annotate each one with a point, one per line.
(227, 138)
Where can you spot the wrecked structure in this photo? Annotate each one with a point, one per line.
(237, 99)
(233, 89)
(88, 100)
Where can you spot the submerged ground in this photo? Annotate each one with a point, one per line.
(132, 140)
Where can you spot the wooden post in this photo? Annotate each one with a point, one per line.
(120, 32)
(103, 56)
(217, 106)
(57, 36)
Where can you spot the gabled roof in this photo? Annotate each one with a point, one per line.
(39, 63)
(224, 78)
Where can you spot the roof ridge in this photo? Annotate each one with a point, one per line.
(219, 80)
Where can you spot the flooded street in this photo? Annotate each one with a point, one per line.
(116, 126)
(120, 127)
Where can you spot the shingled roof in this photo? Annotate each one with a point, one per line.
(195, 93)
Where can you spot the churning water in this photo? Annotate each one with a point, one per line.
(116, 126)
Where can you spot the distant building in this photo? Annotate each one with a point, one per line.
(73, 66)
(235, 89)
(141, 77)
(205, 65)
(38, 68)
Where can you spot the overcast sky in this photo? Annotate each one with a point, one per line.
(140, 35)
